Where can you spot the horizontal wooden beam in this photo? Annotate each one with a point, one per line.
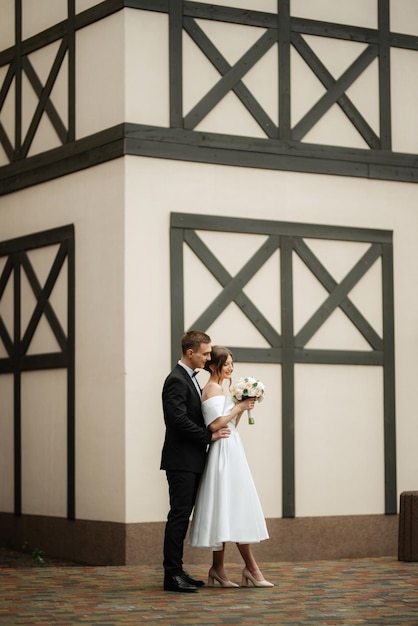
(183, 145)
(212, 12)
(71, 157)
(268, 153)
(274, 227)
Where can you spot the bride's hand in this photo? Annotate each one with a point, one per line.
(248, 404)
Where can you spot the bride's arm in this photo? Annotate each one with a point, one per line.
(223, 420)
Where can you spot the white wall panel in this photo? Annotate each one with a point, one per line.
(147, 79)
(404, 16)
(404, 98)
(40, 15)
(44, 443)
(339, 440)
(8, 115)
(100, 79)
(83, 5)
(355, 12)
(7, 24)
(256, 5)
(263, 440)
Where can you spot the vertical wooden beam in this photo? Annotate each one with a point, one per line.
(284, 69)
(71, 124)
(17, 383)
(384, 75)
(176, 62)
(288, 379)
(18, 77)
(71, 425)
(391, 499)
(177, 291)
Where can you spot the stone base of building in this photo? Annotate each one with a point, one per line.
(109, 543)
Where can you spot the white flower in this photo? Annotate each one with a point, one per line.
(248, 387)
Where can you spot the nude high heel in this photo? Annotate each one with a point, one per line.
(212, 576)
(247, 576)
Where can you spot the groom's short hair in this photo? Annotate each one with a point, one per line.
(192, 340)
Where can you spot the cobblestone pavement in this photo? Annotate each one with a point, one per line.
(381, 591)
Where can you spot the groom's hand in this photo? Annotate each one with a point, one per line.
(222, 433)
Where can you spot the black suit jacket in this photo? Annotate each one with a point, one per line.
(186, 436)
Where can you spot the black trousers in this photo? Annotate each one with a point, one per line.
(182, 488)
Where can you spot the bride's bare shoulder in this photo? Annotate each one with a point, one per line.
(212, 389)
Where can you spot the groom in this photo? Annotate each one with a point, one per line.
(184, 453)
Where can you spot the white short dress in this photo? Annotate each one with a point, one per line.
(227, 505)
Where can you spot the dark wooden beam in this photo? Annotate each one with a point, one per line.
(389, 390)
(44, 102)
(384, 75)
(71, 123)
(337, 295)
(319, 69)
(223, 67)
(334, 93)
(176, 62)
(275, 227)
(285, 132)
(218, 271)
(176, 292)
(326, 280)
(285, 151)
(229, 80)
(288, 380)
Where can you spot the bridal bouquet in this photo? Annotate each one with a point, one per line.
(247, 388)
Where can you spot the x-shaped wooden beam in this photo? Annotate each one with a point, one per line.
(338, 295)
(233, 286)
(328, 81)
(44, 94)
(231, 78)
(336, 90)
(42, 295)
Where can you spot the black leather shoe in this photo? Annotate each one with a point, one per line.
(193, 581)
(179, 583)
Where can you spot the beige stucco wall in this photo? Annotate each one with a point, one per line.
(93, 201)
(123, 337)
(121, 210)
(339, 454)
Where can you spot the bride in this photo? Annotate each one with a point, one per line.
(227, 505)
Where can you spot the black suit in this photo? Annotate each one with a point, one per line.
(183, 458)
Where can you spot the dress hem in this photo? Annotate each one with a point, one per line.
(218, 546)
